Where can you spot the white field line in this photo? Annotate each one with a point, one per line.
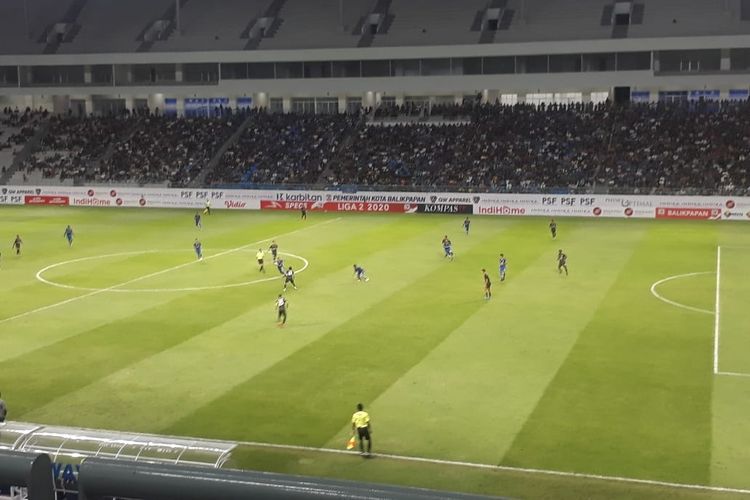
(717, 310)
(733, 374)
(677, 304)
(474, 465)
(505, 468)
(40, 277)
(157, 273)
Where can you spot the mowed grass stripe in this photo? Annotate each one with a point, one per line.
(183, 378)
(633, 396)
(142, 231)
(495, 366)
(312, 390)
(730, 454)
(112, 344)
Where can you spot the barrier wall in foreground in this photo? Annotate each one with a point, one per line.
(595, 205)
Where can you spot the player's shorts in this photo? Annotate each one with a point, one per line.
(363, 432)
(260, 261)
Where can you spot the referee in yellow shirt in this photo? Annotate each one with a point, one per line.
(361, 424)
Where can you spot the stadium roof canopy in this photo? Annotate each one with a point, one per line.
(111, 26)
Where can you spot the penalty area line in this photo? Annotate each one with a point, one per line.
(154, 274)
(505, 468)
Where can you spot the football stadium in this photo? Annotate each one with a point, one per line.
(368, 249)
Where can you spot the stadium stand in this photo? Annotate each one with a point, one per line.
(276, 148)
(114, 26)
(101, 26)
(166, 150)
(317, 24)
(16, 129)
(693, 148)
(429, 22)
(72, 145)
(213, 25)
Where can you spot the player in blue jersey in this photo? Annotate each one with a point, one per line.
(197, 219)
(280, 265)
(467, 225)
(359, 273)
(447, 247)
(198, 249)
(503, 266)
(69, 235)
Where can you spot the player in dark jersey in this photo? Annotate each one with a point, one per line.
(553, 228)
(197, 219)
(303, 212)
(289, 278)
(467, 225)
(359, 273)
(562, 262)
(487, 285)
(502, 266)
(17, 244)
(447, 247)
(281, 305)
(274, 248)
(280, 266)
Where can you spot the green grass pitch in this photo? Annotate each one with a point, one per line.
(588, 373)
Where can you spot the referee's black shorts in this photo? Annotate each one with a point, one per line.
(364, 433)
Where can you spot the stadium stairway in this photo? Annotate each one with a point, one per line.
(110, 151)
(30, 147)
(201, 177)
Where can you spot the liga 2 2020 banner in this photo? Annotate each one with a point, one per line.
(619, 206)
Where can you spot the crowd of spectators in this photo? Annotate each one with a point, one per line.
(285, 148)
(16, 128)
(701, 148)
(500, 148)
(166, 150)
(658, 148)
(72, 144)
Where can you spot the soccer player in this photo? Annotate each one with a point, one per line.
(362, 426)
(69, 235)
(197, 219)
(281, 305)
(280, 266)
(207, 210)
(3, 410)
(487, 285)
(503, 266)
(260, 256)
(447, 247)
(274, 248)
(359, 273)
(303, 212)
(467, 224)
(17, 244)
(562, 262)
(289, 278)
(198, 249)
(553, 228)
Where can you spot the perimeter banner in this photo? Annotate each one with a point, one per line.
(491, 204)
